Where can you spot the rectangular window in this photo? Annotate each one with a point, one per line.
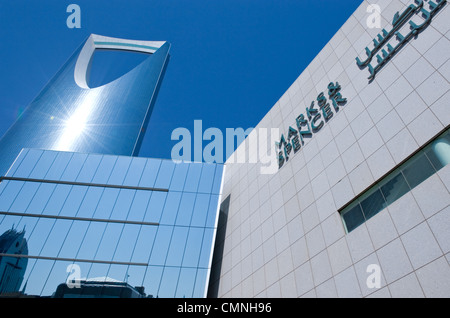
(406, 177)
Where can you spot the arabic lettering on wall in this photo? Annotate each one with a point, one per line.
(382, 42)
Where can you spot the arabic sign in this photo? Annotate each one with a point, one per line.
(381, 42)
(310, 124)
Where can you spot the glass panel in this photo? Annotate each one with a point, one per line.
(206, 251)
(123, 204)
(24, 197)
(372, 203)
(201, 210)
(42, 166)
(75, 236)
(73, 201)
(38, 236)
(89, 168)
(353, 217)
(90, 201)
(171, 208)
(41, 198)
(9, 222)
(207, 179)
(394, 188)
(98, 272)
(417, 170)
(74, 167)
(439, 151)
(104, 169)
(165, 174)
(212, 212)
(120, 170)
(150, 172)
(185, 210)
(118, 272)
(127, 243)
(186, 283)
(56, 201)
(200, 283)
(176, 250)
(139, 206)
(193, 246)
(106, 204)
(91, 240)
(58, 166)
(12, 170)
(144, 244)
(161, 245)
(155, 207)
(169, 282)
(152, 280)
(37, 277)
(135, 171)
(57, 276)
(135, 276)
(179, 177)
(9, 194)
(217, 179)
(193, 177)
(56, 238)
(28, 163)
(109, 242)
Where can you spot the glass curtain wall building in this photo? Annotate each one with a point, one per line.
(109, 226)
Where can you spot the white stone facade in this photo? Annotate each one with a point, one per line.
(284, 234)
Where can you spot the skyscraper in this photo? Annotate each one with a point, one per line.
(68, 115)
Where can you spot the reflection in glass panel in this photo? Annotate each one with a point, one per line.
(353, 217)
(152, 280)
(193, 246)
(151, 170)
(74, 167)
(120, 170)
(200, 283)
(40, 200)
(165, 174)
(127, 242)
(38, 236)
(185, 210)
(91, 240)
(417, 170)
(177, 245)
(90, 202)
(201, 210)
(144, 244)
(193, 177)
(12, 170)
(9, 194)
(171, 208)
(106, 204)
(207, 179)
(135, 171)
(56, 238)
(217, 179)
(155, 206)
(179, 177)
(395, 188)
(42, 166)
(123, 204)
(169, 282)
(207, 246)
(89, 168)
(28, 163)
(57, 199)
(73, 201)
(109, 242)
(104, 169)
(213, 210)
(439, 151)
(58, 166)
(74, 238)
(24, 197)
(139, 205)
(372, 203)
(57, 276)
(186, 283)
(161, 245)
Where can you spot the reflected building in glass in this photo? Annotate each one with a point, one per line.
(111, 226)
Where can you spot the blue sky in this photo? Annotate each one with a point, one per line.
(231, 60)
